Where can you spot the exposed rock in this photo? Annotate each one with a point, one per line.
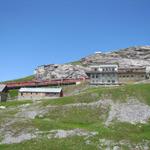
(132, 112)
(2, 107)
(113, 145)
(128, 57)
(10, 139)
(69, 133)
(60, 72)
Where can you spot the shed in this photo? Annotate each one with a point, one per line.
(3, 92)
(40, 93)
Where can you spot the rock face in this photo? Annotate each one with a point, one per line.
(133, 112)
(47, 72)
(129, 57)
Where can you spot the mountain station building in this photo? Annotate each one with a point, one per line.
(111, 74)
(103, 74)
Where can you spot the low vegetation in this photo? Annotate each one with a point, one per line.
(118, 93)
(90, 119)
(15, 103)
(28, 78)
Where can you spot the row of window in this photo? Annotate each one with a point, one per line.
(106, 75)
(113, 75)
(132, 76)
(30, 93)
(103, 81)
(108, 69)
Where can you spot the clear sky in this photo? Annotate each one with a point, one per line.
(36, 32)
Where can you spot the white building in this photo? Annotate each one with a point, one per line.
(103, 74)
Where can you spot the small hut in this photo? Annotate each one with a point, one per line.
(40, 93)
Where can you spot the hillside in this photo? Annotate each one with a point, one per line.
(132, 56)
(125, 58)
(27, 78)
(92, 118)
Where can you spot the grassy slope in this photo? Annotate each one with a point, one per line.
(28, 78)
(121, 93)
(88, 119)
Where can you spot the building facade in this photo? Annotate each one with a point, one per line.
(3, 93)
(39, 93)
(132, 74)
(112, 74)
(103, 74)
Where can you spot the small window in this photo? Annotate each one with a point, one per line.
(93, 76)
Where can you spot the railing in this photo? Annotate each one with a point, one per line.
(36, 83)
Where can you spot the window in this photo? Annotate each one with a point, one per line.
(96, 75)
(95, 69)
(93, 76)
(132, 76)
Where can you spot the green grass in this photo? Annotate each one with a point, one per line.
(91, 120)
(13, 93)
(15, 103)
(28, 78)
(87, 118)
(75, 63)
(120, 93)
(73, 143)
(123, 93)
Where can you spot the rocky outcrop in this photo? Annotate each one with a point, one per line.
(125, 58)
(60, 72)
(128, 57)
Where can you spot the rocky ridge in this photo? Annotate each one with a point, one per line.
(128, 57)
(125, 58)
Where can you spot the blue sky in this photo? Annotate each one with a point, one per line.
(36, 32)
